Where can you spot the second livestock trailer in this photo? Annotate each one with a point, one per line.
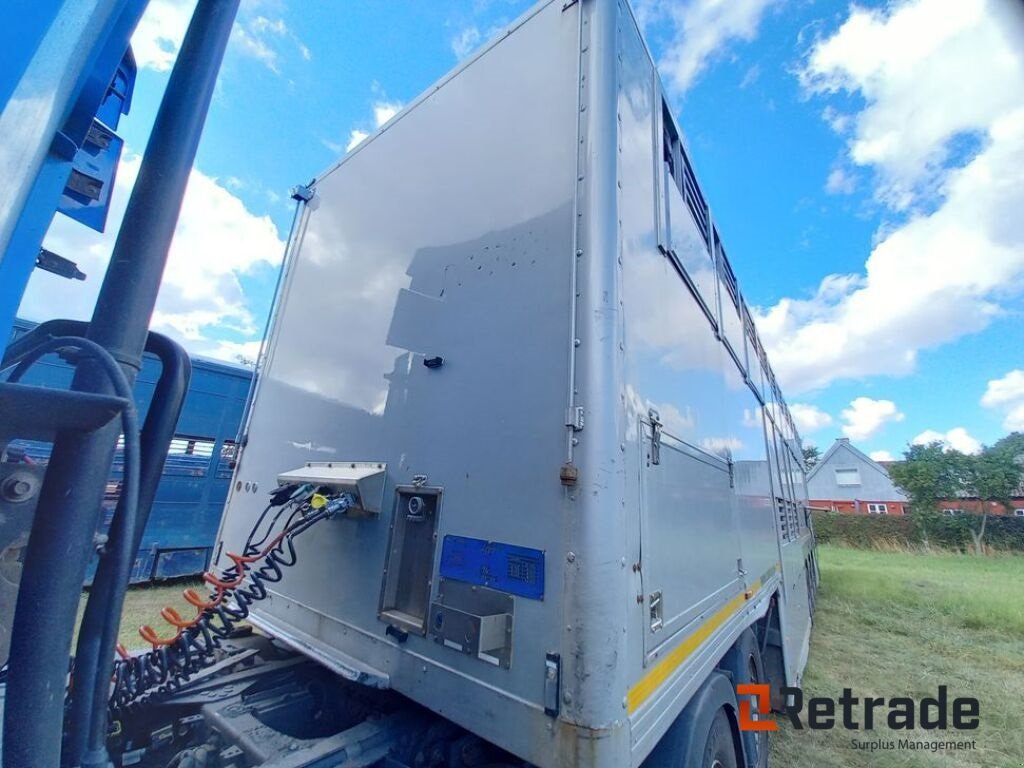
(508, 329)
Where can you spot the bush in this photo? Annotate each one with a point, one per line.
(920, 529)
(865, 531)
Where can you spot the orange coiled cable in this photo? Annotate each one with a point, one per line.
(221, 588)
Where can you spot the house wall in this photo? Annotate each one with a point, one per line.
(977, 506)
(874, 486)
(860, 506)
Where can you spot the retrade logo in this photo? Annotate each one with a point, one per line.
(855, 713)
(762, 694)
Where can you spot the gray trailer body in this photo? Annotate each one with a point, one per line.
(493, 302)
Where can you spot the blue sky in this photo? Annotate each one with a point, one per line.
(865, 165)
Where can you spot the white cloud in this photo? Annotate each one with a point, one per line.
(837, 121)
(1014, 421)
(920, 66)
(383, 110)
(245, 352)
(261, 38)
(955, 255)
(956, 439)
(216, 241)
(723, 446)
(159, 33)
(355, 138)
(840, 182)
(1007, 393)
(809, 418)
(750, 76)
(1004, 391)
(256, 47)
(865, 417)
(701, 31)
(881, 456)
(467, 41)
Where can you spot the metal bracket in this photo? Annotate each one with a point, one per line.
(574, 418)
(655, 418)
(58, 265)
(552, 682)
(656, 611)
(87, 186)
(302, 192)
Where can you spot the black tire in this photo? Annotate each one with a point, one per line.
(744, 664)
(702, 735)
(719, 750)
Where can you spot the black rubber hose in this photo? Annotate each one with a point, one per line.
(25, 615)
(97, 636)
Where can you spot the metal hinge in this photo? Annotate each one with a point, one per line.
(574, 418)
(655, 418)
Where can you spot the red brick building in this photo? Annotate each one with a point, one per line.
(847, 480)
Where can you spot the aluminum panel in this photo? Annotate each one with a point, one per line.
(448, 234)
(690, 540)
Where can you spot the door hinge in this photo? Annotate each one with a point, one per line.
(574, 418)
(655, 418)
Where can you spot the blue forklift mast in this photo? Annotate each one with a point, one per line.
(67, 78)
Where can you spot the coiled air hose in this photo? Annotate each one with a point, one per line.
(196, 641)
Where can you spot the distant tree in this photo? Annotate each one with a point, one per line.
(930, 473)
(811, 455)
(248, 362)
(927, 474)
(1013, 444)
(994, 475)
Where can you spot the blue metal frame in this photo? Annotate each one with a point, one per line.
(71, 152)
(182, 527)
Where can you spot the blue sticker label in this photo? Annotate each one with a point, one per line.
(505, 567)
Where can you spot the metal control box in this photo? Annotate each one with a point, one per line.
(514, 299)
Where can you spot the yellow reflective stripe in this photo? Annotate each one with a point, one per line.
(661, 671)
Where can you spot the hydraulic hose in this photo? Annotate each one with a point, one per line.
(97, 636)
(122, 548)
(196, 641)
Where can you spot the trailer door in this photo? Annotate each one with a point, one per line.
(689, 540)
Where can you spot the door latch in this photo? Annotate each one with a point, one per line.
(655, 418)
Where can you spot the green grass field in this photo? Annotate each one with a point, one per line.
(888, 624)
(901, 624)
(142, 606)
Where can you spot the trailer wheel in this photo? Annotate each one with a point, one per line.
(719, 751)
(703, 736)
(744, 663)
